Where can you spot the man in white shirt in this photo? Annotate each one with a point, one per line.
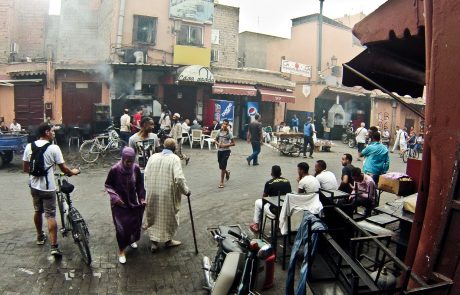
(308, 184)
(397, 139)
(43, 188)
(186, 126)
(361, 134)
(326, 178)
(125, 126)
(15, 126)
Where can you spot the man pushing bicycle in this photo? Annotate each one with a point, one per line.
(39, 160)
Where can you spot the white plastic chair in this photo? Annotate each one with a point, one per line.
(211, 139)
(196, 137)
(185, 137)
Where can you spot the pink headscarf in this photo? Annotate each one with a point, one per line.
(128, 153)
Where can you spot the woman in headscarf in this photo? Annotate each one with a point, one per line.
(125, 186)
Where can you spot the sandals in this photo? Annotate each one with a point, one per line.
(227, 175)
(221, 186)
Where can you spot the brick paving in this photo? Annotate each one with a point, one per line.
(26, 268)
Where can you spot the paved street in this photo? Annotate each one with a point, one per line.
(26, 268)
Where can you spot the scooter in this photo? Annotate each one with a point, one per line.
(241, 266)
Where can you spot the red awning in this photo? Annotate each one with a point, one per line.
(234, 89)
(276, 95)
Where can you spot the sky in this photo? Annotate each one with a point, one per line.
(273, 17)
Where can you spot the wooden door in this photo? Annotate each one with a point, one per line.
(78, 101)
(28, 104)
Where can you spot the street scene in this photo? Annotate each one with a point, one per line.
(229, 147)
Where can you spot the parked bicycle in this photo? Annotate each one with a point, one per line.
(411, 153)
(104, 144)
(71, 220)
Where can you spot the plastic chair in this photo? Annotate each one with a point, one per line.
(73, 132)
(85, 131)
(210, 139)
(185, 137)
(196, 137)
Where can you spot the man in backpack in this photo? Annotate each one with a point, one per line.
(39, 159)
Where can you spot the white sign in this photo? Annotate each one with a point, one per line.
(215, 37)
(295, 68)
(195, 73)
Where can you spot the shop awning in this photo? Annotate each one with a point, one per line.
(234, 89)
(276, 95)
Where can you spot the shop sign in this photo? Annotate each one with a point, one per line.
(195, 73)
(295, 68)
(224, 109)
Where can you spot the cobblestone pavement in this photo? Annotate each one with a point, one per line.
(26, 268)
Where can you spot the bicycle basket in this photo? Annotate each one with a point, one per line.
(67, 187)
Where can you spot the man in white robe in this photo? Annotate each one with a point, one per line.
(164, 184)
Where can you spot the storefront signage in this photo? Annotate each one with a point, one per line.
(253, 108)
(224, 110)
(295, 68)
(195, 73)
(195, 10)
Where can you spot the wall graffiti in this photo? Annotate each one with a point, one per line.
(384, 120)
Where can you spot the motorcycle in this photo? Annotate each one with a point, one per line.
(241, 266)
(349, 137)
(288, 148)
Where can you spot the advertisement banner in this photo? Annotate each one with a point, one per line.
(295, 68)
(224, 109)
(252, 109)
(196, 10)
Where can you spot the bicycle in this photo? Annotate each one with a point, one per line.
(411, 153)
(71, 219)
(107, 143)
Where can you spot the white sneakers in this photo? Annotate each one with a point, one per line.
(122, 259)
(134, 245)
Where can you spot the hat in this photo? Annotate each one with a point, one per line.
(126, 110)
(195, 122)
(177, 115)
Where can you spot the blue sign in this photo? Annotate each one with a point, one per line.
(253, 108)
(224, 109)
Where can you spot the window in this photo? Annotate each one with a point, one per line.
(190, 35)
(214, 55)
(144, 29)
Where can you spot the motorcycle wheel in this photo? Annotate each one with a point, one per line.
(295, 151)
(344, 139)
(351, 143)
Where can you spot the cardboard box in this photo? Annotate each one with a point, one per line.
(397, 186)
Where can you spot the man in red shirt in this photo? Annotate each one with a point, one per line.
(136, 125)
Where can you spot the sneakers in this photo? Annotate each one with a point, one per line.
(134, 245)
(122, 259)
(254, 227)
(41, 239)
(172, 243)
(55, 251)
(249, 161)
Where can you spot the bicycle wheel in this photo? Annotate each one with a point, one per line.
(116, 147)
(80, 235)
(344, 139)
(61, 211)
(414, 154)
(405, 156)
(89, 151)
(351, 143)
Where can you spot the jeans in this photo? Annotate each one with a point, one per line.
(308, 140)
(300, 239)
(295, 129)
(255, 152)
(125, 136)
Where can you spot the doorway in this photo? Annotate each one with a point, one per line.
(28, 104)
(78, 101)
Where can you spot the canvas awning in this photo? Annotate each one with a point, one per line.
(276, 95)
(234, 89)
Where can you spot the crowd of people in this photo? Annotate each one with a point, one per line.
(14, 127)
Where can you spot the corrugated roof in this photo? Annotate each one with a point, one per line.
(249, 76)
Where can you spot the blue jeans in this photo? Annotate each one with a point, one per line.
(300, 239)
(255, 152)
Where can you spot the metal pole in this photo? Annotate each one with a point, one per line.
(320, 36)
(193, 224)
(385, 91)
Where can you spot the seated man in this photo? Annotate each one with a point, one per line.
(326, 178)
(346, 185)
(273, 187)
(364, 191)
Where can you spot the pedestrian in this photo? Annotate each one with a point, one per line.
(377, 159)
(176, 134)
(3, 127)
(326, 178)
(15, 126)
(136, 125)
(397, 139)
(277, 185)
(39, 160)
(364, 191)
(224, 141)
(125, 186)
(137, 140)
(403, 138)
(164, 184)
(386, 137)
(361, 134)
(295, 124)
(125, 125)
(308, 132)
(165, 121)
(255, 137)
(346, 184)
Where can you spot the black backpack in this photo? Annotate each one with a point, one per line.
(37, 161)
